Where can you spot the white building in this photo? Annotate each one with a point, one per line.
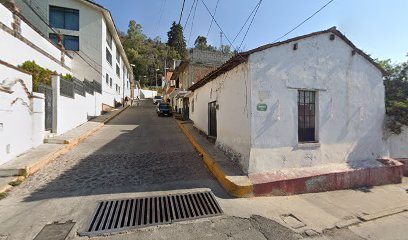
(91, 38)
(308, 101)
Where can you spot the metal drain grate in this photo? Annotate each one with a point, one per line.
(149, 211)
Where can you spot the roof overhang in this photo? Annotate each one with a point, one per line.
(244, 56)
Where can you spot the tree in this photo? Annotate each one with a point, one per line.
(200, 42)
(146, 54)
(396, 94)
(176, 40)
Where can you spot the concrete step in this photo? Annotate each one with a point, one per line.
(31, 160)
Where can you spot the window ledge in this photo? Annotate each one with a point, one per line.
(307, 145)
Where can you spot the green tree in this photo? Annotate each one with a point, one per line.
(176, 39)
(396, 94)
(146, 54)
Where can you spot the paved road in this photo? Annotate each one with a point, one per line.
(136, 154)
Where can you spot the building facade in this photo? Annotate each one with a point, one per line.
(305, 102)
(88, 32)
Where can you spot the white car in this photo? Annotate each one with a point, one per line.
(157, 99)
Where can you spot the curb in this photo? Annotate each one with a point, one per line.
(69, 144)
(235, 189)
(66, 147)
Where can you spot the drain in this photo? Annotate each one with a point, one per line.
(125, 214)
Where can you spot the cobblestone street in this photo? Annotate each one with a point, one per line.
(135, 149)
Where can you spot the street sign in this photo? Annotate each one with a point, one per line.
(262, 107)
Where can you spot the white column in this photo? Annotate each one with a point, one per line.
(55, 97)
(38, 118)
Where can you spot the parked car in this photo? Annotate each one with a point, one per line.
(157, 99)
(164, 109)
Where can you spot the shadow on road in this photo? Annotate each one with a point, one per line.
(136, 152)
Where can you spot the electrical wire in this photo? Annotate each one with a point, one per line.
(215, 11)
(246, 21)
(161, 16)
(192, 23)
(189, 13)
(304, 21)
(182, 9)
(250, 24)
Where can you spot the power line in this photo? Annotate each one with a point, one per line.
(182, 9)
(250, 24)
(215, 11)
(192, 23)
(161, 15)
(307, 19)
(239, 32)
(189, 13)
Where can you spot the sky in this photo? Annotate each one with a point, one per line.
(378, 27)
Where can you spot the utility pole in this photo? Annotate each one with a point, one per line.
(221, 38)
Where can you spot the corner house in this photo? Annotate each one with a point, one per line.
(311, 102)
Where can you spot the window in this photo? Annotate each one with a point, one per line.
(107, 79)
(64, 18)
(117, 54)
(108, 56)
(306, 116)
(192, 105)
(108, 38)
(110, 82)
(117, 70)
(69, 42)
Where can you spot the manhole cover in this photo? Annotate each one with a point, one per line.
(118, 215)
(55, 231)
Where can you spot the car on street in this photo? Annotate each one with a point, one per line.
(157, 99)
(164, 109)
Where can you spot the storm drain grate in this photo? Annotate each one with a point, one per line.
(125, 214)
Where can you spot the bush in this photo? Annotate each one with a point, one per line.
(40, 74)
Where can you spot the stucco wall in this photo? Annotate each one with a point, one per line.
(21, 116)
(350, 109)
(16, 51)
(232, 93)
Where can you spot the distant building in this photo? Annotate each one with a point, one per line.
(90, 36)
(198, 64)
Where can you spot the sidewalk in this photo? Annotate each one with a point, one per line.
(34, 159)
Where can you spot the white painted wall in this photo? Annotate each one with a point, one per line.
(398, 144)
(21, 116)
(92, 44)
(72, 112)
(145, 93)
(350, 105)
(232, 93)
(16, 52)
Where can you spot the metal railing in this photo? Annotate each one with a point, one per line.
(67, 88)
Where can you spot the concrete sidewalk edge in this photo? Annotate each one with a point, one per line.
(234, 188)
(45, 160)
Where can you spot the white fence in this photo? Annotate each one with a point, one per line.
(70, 108)
(21, 113)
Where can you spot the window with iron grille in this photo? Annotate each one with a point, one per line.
(107, 79)
(108, 56)
(306, 116)
(110, 83)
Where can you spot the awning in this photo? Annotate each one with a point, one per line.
(181, 94)
(174, 93)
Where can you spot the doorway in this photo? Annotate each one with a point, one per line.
(212, 119)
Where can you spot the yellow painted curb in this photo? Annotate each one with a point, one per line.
(242, 189)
